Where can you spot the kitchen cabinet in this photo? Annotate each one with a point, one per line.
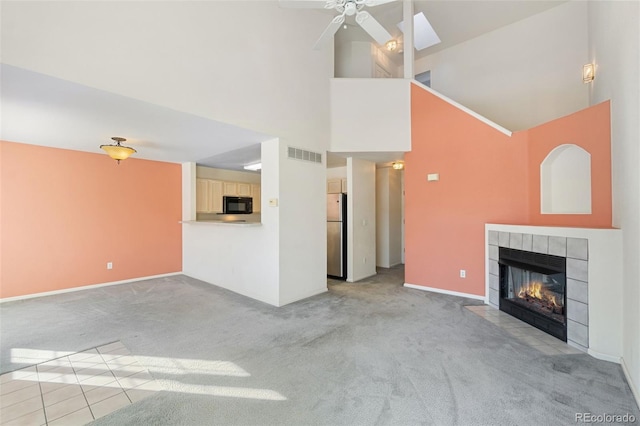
(244, 189)
(230, 188)
(334, 186)
(215, 192)
(257, 198)
(208, 196)
(202, 197)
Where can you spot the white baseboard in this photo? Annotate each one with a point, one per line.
(449, 292)
(86, 287)
(634, 389)
(604, 357)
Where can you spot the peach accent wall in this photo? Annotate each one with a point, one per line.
(65, 214)
(485, 177)
(444, 220)
(590, 129)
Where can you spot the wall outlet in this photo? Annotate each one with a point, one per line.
(109, 265)
(463, 273)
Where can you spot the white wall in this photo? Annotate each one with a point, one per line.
(382, 217)
(302, 228)
(357, 59)
(283, 259)
(188, 191)
(353, 60)
(395, 217)
(240, 258)
(361, 219)
(388, 217)
(614, 46)
(247, 63)
(521, 75)
(370, 115)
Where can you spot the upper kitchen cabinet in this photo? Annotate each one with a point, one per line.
(230, 188)
(244, 189)
(257, 198)
(208, 196)
(237, 189)
(334, 186)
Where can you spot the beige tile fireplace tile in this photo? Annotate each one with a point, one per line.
(558, 246)
(494, 267)
(579, 333)
(578, 269)
(515, 241)
(494, 252)
(577, 290)
(578, 312)
(494, 282)
(527, 242)
(578, 248)
(503, 239)
(493, 238)
(540, 244)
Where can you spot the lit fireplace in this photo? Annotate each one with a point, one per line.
(533, 289)
(540, 297)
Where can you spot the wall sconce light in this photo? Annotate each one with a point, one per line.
(118, 152)
(398, 165)
(588, 73)
(391, 45)
(253, 167)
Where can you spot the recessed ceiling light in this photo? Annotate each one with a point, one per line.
(423, 33)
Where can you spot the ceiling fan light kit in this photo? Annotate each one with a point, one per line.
(362, 18)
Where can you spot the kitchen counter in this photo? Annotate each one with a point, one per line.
(221, 222)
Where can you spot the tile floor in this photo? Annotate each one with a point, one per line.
(524, 332)
(74, 389)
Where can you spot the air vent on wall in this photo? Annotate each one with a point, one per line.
(301, 154)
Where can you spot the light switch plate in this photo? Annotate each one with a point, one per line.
(433, 177)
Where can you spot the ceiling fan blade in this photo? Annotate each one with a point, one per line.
(303, 4)
(373, 27)
(328, 33)
(372, 3)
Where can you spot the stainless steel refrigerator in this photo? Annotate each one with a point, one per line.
(337, 236)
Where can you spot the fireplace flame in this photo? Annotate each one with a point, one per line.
(535, 290)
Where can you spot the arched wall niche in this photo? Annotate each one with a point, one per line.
(565, 181)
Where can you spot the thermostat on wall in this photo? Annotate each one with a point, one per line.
(273, 202)
(433, 177)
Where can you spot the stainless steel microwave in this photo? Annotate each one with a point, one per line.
(237, 205)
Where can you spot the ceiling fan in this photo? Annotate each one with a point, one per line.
(362, 17)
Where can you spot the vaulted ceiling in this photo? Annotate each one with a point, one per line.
(45, 110)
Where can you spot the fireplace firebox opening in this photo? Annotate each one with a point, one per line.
(533, 289)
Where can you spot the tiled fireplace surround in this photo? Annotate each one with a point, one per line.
(594, 279)
(576, 250)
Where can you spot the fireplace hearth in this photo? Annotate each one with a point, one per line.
(533, 289)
